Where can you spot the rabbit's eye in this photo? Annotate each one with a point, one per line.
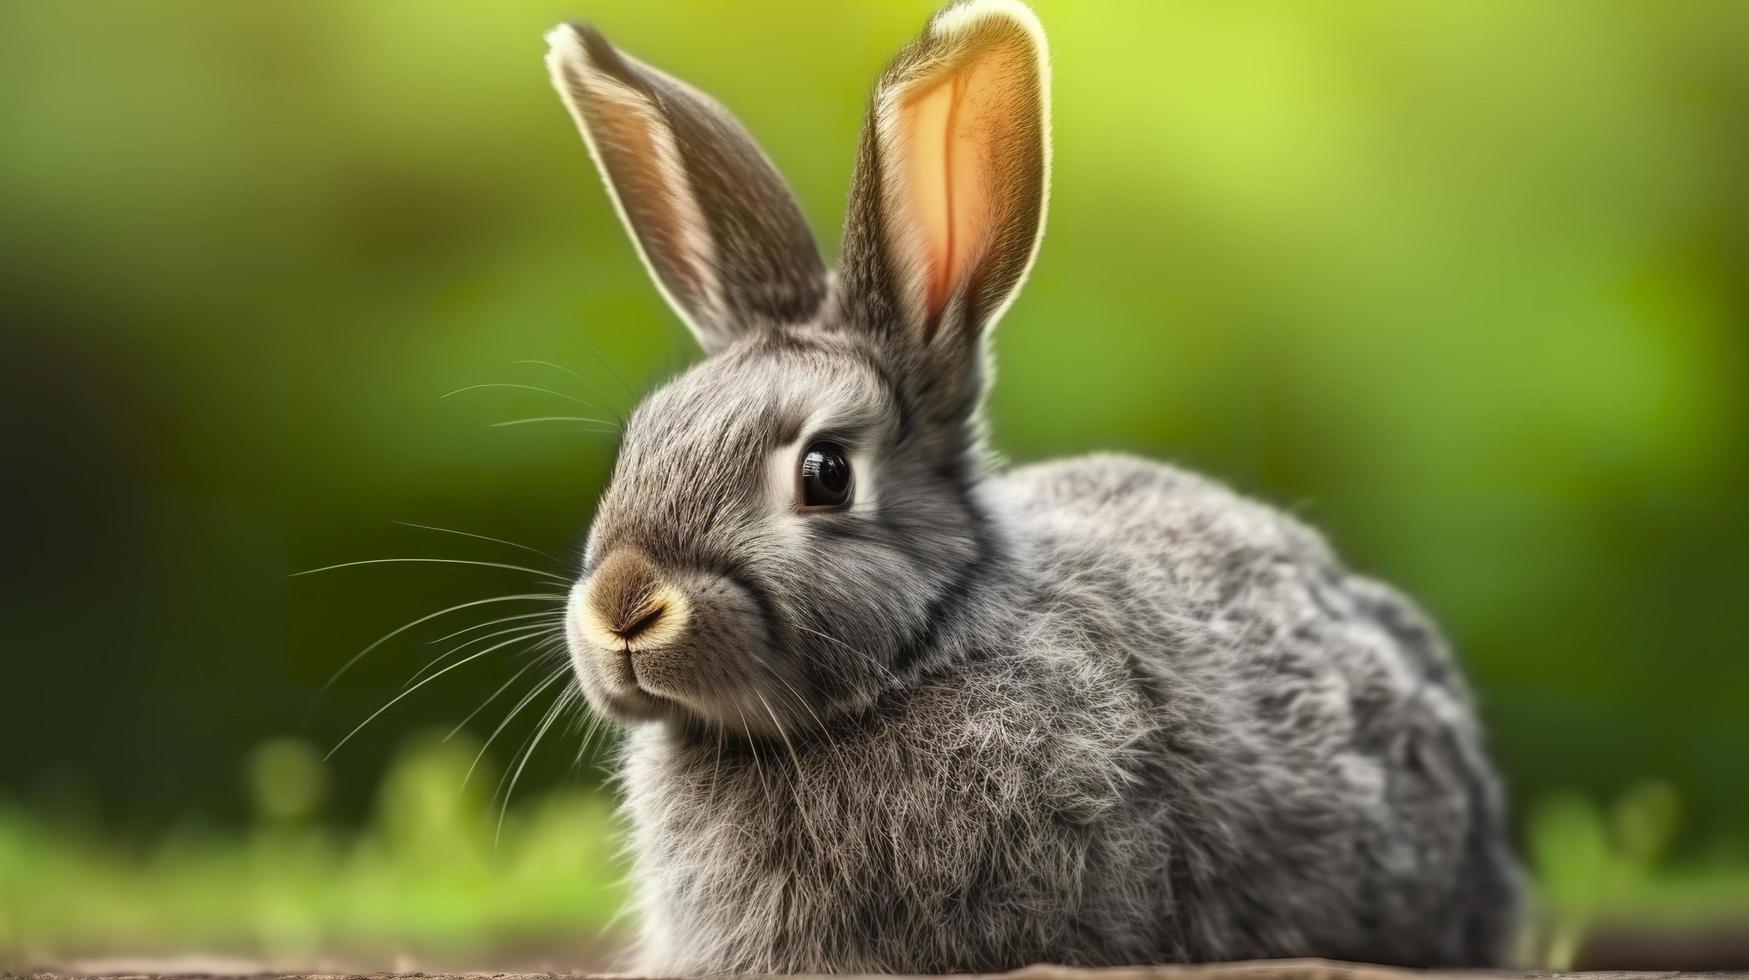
(825, 476)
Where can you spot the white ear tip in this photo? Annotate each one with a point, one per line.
(961, 16)
(565, 43)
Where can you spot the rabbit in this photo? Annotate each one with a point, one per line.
(887, 706)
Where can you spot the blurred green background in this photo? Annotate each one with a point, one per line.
(1466, 285)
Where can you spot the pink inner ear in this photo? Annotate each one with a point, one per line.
(954, 151)
(936, 191)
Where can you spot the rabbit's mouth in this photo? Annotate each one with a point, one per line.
(622, 664)
(610, 680)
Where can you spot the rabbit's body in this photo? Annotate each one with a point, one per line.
(887, 710)
(1172, 728)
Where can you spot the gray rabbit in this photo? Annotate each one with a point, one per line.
(891, 708)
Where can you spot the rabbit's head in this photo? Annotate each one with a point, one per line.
(791, 522)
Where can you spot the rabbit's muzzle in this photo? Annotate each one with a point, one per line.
(649, 642)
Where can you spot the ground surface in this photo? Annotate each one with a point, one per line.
(1278, 970)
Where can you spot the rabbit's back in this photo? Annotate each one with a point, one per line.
(1314, 774)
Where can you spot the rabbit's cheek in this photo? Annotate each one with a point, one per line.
(709, 664)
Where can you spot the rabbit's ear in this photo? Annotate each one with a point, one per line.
(717, 226)
(948, 202)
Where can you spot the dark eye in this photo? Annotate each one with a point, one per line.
(825, 476)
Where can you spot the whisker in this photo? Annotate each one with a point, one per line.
(803, 703)
(781, 734)
(386, 637)
(605, 364)
(525, 668)
(717, 764)
(747, 731)
(591, 382)
(523, 387)
(521, 704)
(797, 772)
(481, 537)
(434, 561)
(584, 728)
(559, 704)
(593, 726)
(524, 630)
(397, 698)
(833, 639)
(612, 428)
(496, 622)
(596, 729)
(558, 367)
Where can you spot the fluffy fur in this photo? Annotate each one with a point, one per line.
(1096, 711)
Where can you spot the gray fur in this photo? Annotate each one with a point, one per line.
(1096, 711)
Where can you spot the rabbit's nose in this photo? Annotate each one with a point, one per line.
(629, 605)
(640, 625)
